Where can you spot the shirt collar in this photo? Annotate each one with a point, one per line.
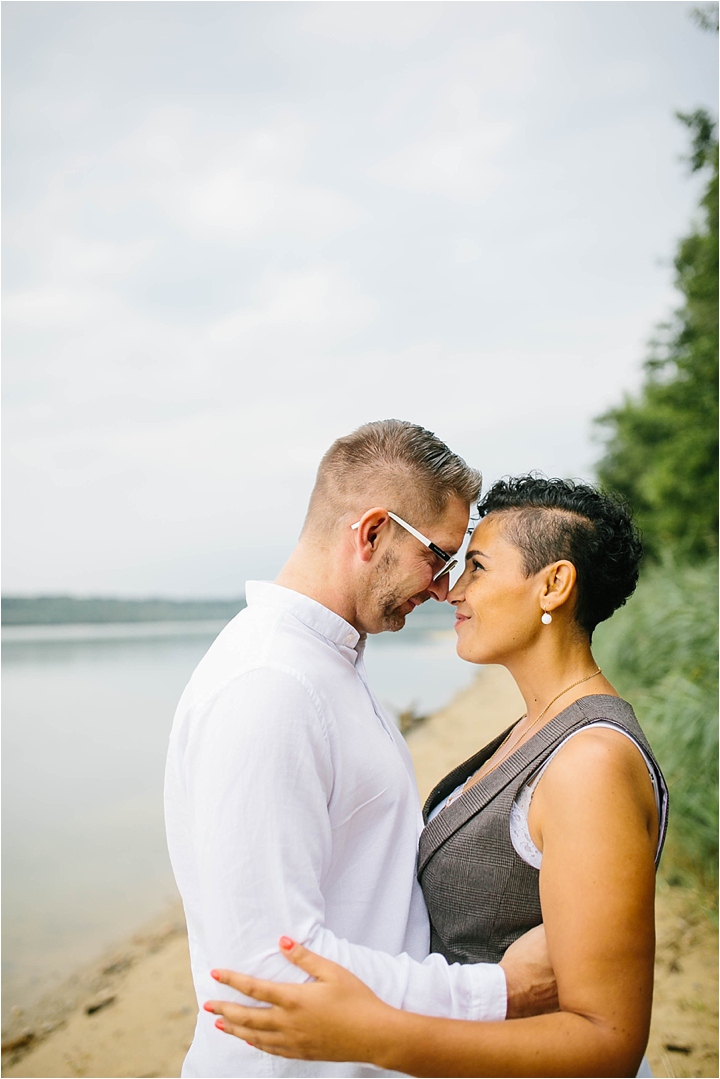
(306, 610)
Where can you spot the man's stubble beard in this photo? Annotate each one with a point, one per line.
(386, 597)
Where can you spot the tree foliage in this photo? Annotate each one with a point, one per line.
(661, 449)
(660, 651)
(706, 16)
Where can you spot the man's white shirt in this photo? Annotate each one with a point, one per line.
(291, 808)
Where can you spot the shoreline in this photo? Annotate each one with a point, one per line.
(132, 1011)
(90, 988)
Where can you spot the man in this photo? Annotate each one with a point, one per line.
(291, 804)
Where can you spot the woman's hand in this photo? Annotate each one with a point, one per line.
(335, 1017)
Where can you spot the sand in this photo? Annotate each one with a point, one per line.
(132, 1013)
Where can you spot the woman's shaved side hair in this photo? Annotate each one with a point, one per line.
(550, 519)
(389, 463)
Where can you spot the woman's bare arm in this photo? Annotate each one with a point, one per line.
(593, 816)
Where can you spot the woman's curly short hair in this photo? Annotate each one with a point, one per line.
(552, 519)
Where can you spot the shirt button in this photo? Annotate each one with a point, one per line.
(349, 639)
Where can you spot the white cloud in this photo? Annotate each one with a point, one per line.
(358, 23)
(458, 151)
(77, 291)
(318, 301)
(461, 165)
(49, 307)
(235, 183)
(464, 251)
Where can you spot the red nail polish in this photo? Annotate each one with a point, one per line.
(219, 1024)
(215, 974)
(208, 1006)
(287, 943)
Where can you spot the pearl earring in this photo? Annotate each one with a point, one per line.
(546, 618)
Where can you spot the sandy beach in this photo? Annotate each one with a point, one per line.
(132, 1013)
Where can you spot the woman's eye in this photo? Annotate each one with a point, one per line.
(477, 565)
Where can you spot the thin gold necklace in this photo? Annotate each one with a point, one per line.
(534, 723)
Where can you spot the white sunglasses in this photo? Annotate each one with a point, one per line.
(450, 562)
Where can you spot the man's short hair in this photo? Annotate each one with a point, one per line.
(390, 463)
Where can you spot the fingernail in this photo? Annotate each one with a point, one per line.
(219, 1024)
(208, 1006)
(287, 943)
(215, 974)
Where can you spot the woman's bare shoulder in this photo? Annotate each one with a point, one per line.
(596, 746)
(593, 761)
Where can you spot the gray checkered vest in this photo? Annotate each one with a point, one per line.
(480, 894)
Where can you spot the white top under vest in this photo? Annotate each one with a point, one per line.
(519, 831)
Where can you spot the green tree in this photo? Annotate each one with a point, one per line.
(661, 447)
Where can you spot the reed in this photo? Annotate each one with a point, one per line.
(660, 651)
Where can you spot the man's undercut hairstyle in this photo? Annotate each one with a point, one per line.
(389, 463)
(550, 520)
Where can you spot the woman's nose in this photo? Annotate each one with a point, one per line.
(455, 593)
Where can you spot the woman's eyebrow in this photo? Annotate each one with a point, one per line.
(470, 554)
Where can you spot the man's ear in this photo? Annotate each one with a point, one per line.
(367, 529)
(559, 585)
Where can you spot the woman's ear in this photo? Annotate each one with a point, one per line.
(560, 581)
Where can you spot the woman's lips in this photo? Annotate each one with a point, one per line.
(460, 618)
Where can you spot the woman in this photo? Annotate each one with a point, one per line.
(559, 820)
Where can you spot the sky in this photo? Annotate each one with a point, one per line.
(234, 231)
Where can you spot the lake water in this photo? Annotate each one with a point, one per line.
(86, 715)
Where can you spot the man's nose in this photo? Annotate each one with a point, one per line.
(439, 589)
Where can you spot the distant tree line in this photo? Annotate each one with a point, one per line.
(58, 610)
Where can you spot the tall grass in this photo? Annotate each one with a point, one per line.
(660, 651)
